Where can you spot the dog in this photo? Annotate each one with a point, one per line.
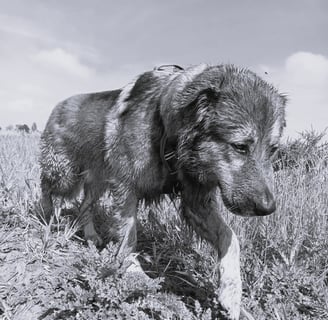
(192, 133)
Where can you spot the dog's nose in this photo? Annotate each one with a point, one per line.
(266, 204)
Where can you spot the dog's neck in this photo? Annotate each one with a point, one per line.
(168, 145)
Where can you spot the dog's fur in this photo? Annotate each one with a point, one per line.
(193, 132)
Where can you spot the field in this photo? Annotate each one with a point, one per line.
(48, 272)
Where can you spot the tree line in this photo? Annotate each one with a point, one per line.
(24, 128)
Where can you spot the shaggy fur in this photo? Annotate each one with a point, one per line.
(193, 132)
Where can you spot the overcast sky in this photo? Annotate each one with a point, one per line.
(50, 50)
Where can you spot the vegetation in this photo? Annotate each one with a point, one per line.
(48, 272)
(21, 128)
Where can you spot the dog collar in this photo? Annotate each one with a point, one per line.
(168, 155)
(169, 158)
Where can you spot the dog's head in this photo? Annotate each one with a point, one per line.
(228, 125)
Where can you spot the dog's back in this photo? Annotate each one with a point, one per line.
(99, 137)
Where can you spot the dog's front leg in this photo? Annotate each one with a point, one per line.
(124, 205)
(230, 289)
(199, 207)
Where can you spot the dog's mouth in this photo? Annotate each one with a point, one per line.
(260, 203)
(251, 208)
(247, 212)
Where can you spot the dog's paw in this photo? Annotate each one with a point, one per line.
(132, 264)
(94, 238)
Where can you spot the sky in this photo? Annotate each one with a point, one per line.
(50, 50)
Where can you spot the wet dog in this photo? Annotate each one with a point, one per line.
(192, 133)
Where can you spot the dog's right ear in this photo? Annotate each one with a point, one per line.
(203, 101)
(193, 104)
(207, 96)
(203, 107)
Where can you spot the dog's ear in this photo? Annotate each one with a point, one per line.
(192, 105)
(209, 94)
(202, 109)
(205, 97)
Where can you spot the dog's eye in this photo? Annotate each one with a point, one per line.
(240, 148)
(273, 150)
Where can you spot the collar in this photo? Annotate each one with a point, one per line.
(172, 185)
(168, 155)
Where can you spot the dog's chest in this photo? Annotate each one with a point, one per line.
(155, 183)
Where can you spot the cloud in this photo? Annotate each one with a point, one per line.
(304, 77)
(62, 61)
(35, 78)
(314, 65)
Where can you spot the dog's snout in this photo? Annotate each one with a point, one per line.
(266, 204)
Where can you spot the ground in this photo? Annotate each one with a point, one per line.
(48, 272)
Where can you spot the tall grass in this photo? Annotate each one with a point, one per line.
(48, 272)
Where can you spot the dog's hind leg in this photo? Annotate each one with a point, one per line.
(59, 176)
(46, 200)
(200, 210)
(51, 204)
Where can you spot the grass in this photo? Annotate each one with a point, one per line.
(48, 272)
